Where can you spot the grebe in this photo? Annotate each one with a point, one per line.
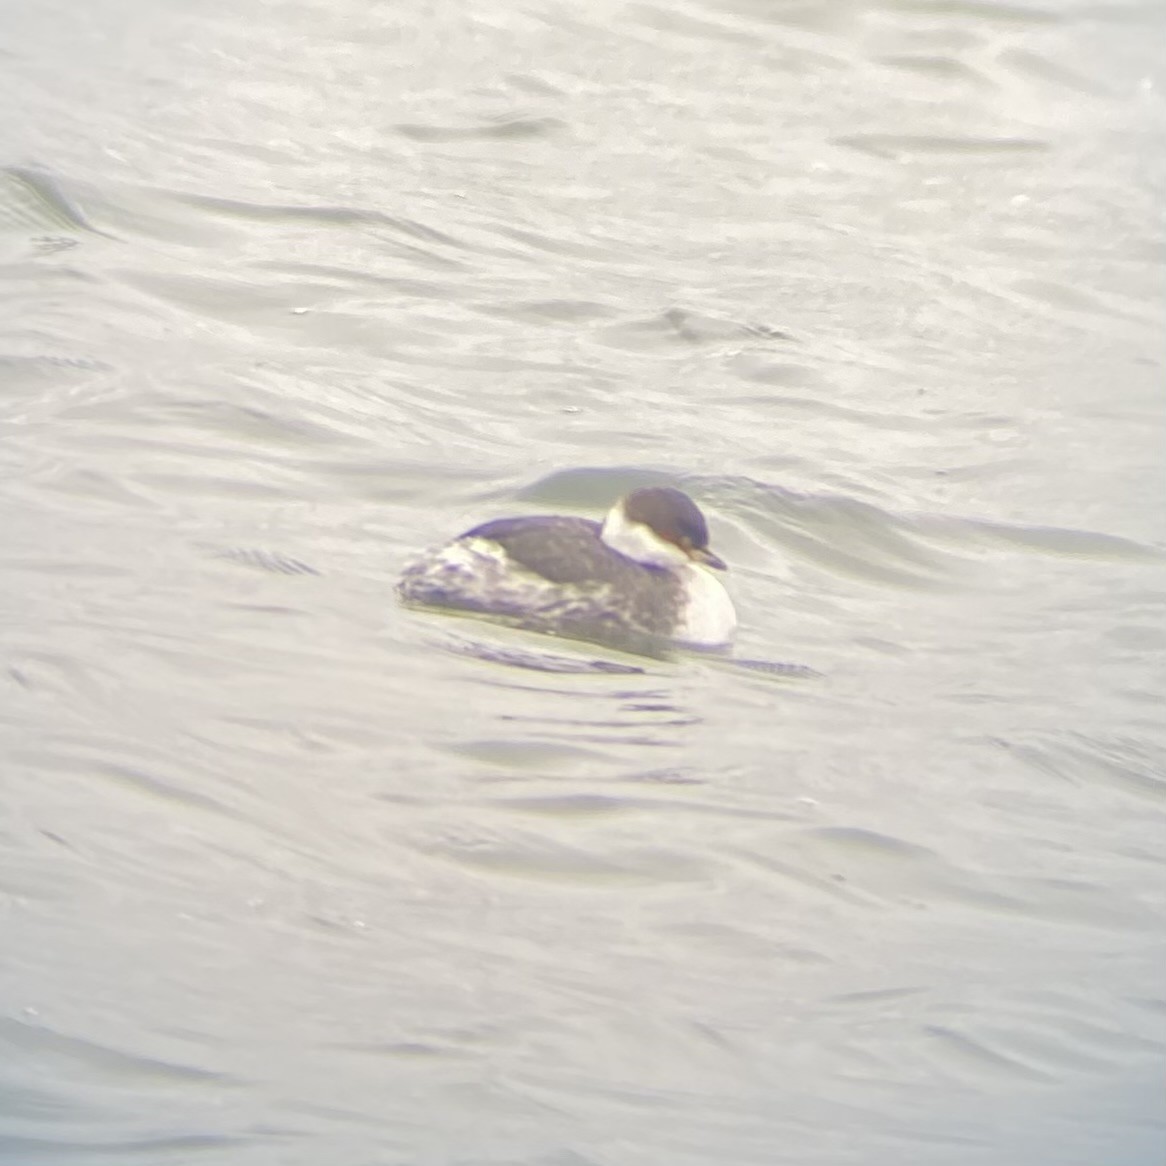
(644, 573)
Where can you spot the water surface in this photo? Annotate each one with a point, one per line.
(292, 875)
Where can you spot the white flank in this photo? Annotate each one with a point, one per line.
(471, 554)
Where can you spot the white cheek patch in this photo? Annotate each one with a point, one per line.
(639, 542)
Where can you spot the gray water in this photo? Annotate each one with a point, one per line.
(292, 876)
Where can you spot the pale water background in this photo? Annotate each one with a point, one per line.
(294, 877)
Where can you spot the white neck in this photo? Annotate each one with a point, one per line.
(639, 542)
(709, 618)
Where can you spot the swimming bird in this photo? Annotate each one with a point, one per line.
(644, 574)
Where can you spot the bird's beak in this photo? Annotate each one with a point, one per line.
(707, 558)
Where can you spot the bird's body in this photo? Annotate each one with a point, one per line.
(642, 573)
